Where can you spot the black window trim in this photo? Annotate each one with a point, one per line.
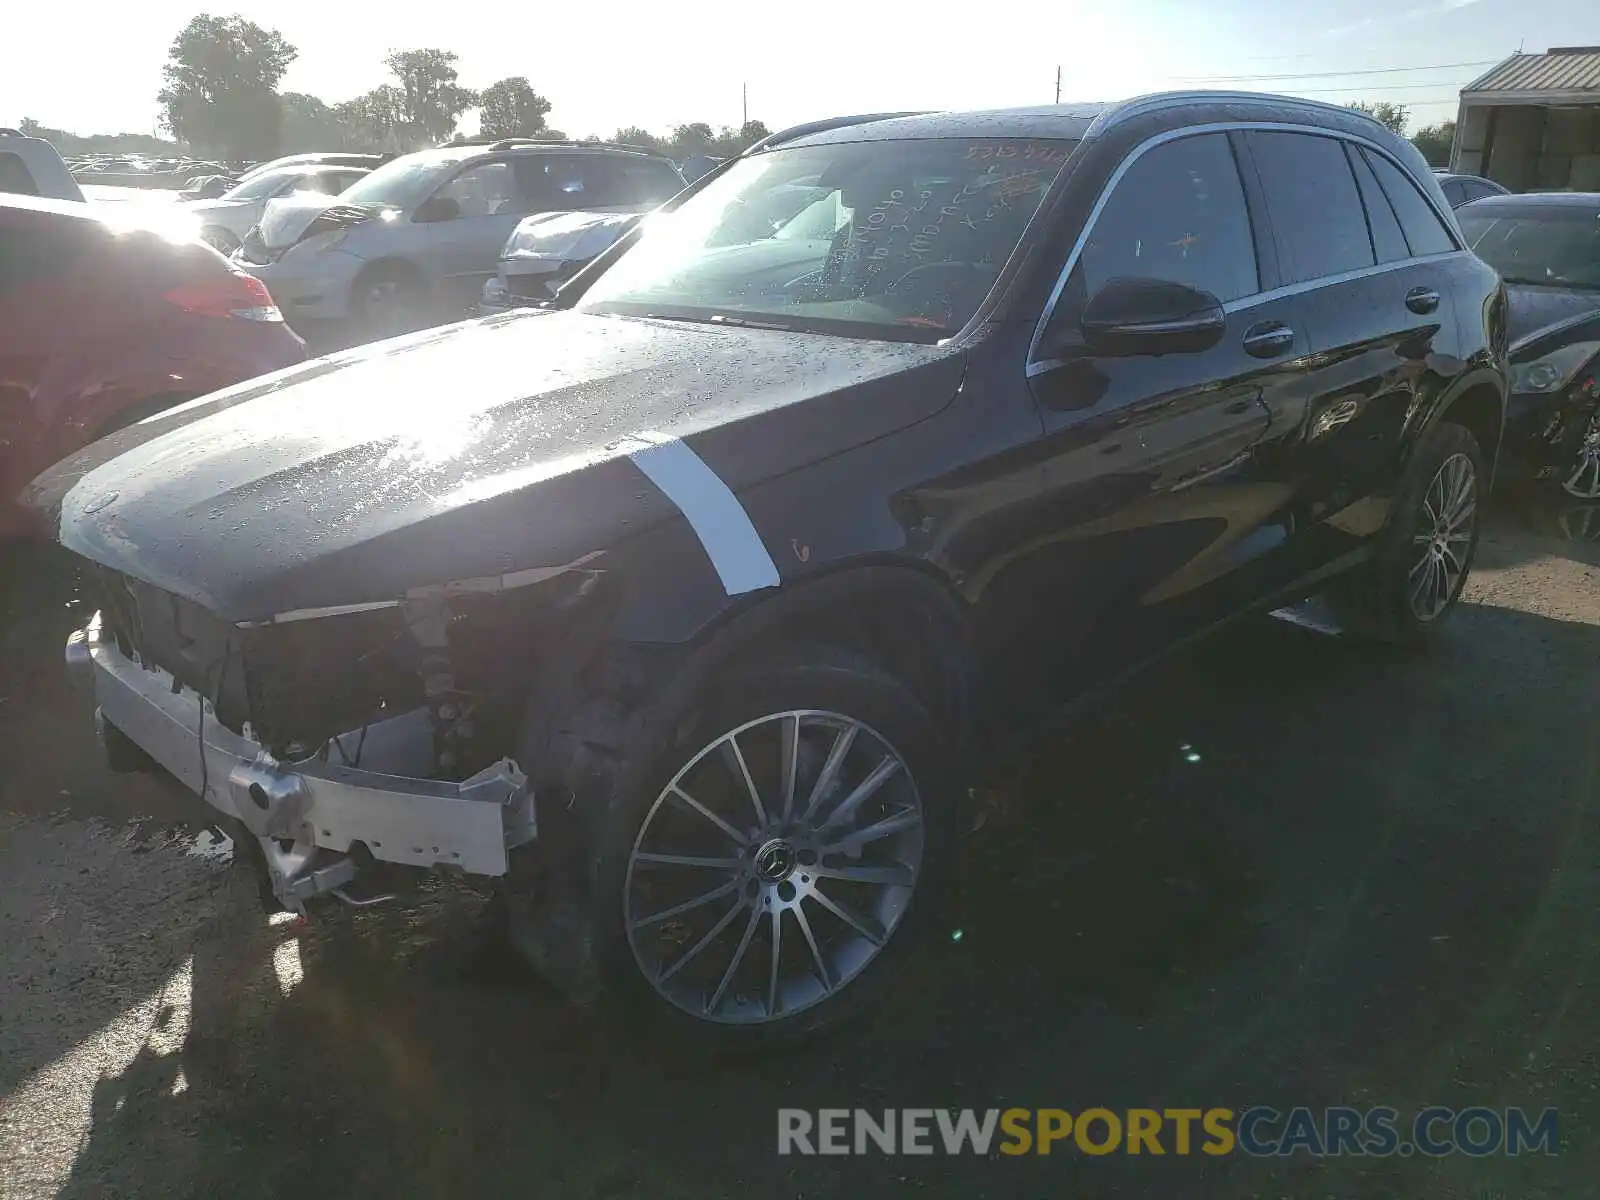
(1037, 365)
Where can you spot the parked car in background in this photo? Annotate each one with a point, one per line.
(545, 251)
(1546, 247)
(225, 220)
(414, 242)
(105, 320)
(30, 166)
(207, 187)
(1463, 189)
(329, 158)
(681, 607)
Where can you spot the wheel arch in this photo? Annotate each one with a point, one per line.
(1478, 404)
(900, 614)
(398, 264)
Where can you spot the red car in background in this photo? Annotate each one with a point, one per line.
(107, 318)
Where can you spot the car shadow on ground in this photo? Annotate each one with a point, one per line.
(1548, 524)
(1278, 870)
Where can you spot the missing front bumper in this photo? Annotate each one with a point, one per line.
(298, 810)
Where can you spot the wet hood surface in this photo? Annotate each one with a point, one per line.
(470, 450)
(1532, 307)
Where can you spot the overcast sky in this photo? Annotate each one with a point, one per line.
(95, 67)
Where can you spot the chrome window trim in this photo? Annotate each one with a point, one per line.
(1035, 364)
(1294, 289)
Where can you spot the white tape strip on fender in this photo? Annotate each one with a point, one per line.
(712, 510)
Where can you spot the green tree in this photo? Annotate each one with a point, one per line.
(309, 124)
(432, 97)
(633, 135)
(1435, 142)
(690, 139)
(376, 120)
(221, 86)
(511, 108)
(730, 141)
(1392, 117)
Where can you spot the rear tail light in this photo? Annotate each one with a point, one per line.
(234, 294)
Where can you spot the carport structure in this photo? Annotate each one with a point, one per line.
(1532, 123)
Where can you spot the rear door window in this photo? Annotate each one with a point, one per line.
(1178, 214)
(644, 183)
(1317, 215)
(1387, 239)
(485, 190)
(1455, 192)
(587, 181)
(1425, 232)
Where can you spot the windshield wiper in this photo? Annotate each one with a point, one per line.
(725, 319)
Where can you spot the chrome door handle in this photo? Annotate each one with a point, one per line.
(1422, 300)
(1268, 339)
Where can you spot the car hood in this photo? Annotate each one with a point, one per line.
(211, 206)
(467, 451)
(567, 237)
(286, 221)
(1533, 307)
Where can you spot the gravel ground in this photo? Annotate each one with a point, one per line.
(1280, 870)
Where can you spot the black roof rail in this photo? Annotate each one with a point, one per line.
(511, 143)
(823, 126)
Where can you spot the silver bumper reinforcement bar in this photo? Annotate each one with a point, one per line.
(298, 809)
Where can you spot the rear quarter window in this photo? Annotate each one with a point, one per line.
(1387, 238)
(1425, 231)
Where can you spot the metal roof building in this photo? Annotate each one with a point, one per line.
(1532, 123)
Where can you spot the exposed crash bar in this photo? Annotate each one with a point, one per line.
(415, 822)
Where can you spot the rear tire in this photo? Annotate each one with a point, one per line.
(1425, 552)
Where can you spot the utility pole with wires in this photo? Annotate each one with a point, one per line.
(1058, 84)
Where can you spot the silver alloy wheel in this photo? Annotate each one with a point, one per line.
(1444, 535)
(384, 297)
(1584, 482)
(774, 867)
(1581, 524)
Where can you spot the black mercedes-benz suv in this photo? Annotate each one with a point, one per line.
(682, 607)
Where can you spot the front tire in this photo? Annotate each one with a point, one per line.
(388, 300)
(1425, 553)
(776, 859)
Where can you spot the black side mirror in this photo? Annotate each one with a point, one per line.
(1150, 316)
(437, 208)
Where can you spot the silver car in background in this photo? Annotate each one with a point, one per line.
(225, 220)
(414, 242)
(545, 251)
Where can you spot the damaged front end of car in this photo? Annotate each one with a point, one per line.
(346, 746)
(1553, 418)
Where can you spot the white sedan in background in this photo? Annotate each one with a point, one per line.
(225, 220)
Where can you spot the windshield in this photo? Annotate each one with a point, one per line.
(403, 183)
(1557, 246)
(898, 240)
(262, 186)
